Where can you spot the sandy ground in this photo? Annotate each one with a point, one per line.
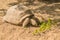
(14, 32)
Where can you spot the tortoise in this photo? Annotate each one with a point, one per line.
(24, 15)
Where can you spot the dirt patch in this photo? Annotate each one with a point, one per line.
(15, 32)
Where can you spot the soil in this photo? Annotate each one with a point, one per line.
(14, 32)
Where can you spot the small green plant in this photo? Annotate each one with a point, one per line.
(36, 31)
(43, 27)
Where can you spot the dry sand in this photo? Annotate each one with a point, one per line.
(14, 32)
